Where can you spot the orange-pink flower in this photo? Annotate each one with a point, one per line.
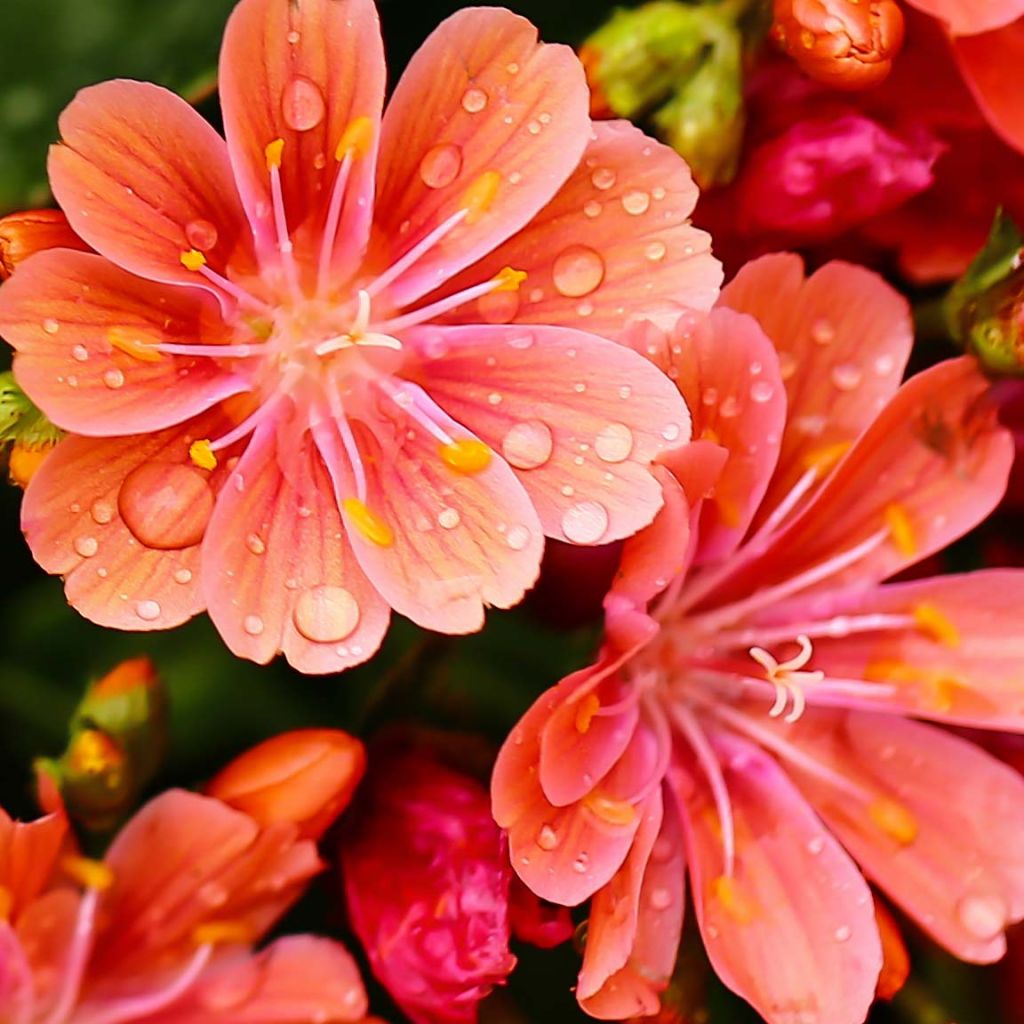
(346, 363)
(751, 721)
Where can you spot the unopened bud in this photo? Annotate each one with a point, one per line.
(23, 461)
(306, 777)
(30, 231)
(25, 432)
(845, 44)
(895, 959)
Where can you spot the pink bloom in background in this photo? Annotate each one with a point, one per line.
(427, 883)
(755, 727)
(344, 364)
(161, 930)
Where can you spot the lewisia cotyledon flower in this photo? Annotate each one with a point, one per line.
(344, 364)
(752, 722)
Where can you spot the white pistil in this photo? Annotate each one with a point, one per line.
(210, 351)
(837, 627)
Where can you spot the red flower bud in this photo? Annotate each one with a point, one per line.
(306, 776)
(846, 44)
(31, 231)
(895, 959)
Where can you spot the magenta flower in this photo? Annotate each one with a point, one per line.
(342, 364)
(755, 727)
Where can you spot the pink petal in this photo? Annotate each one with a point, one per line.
(966, 17)
(280, 574)
(843, 336)
(954, 857)
(462, 542)
(139, 172)
(16, 993)
(445, 128)
(28, 853)
(303, 72)
(615, 240)
(60, 312)
(45, 932)
(578, 417)
(138, 577)
(793, 931)
(987, 62)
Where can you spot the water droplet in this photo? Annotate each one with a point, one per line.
(80, 353)
(326, 615)
(787, 365)
(441, 165)
(87, 546)
(512, 69)
(50, 325)
(656, 251)
(579, 865)
(201, 234)
(253, 625)
(102, 512)
(547, 838)
(254, 542)
(585, 309)
(815, 845)
(636, 202)
(183, 576)
(729, 408)
(72, 381)
(846, 376)
(474, 100)
(520, 341)
(498, 307)
(517, 538)
(293, 37)
(592, 209)
(614, 443)
(884, 365)
(585, 523)
(660, 899)
(671, 432)
(213, 894)
(302, 104)
(578, 271)
(494, 398)
(603, 178)
(528, 445)
(761, 391)
(625, 391)
(449, 518)
(842, 933)
(984, 917)
(165, 505)
(822, 332)
(148, 610)
(114, 379)
(534, 127)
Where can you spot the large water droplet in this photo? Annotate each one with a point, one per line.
(253, 625)
(614, 443)
(149, 611)
(86, 546)
(166, 506)
(302, 104)
(474, 100)
(498, 307)
(517, 538)
(201, 234)
(578, 271)
(585, 523)
(547, 838)
(636, 202)
(528, 445)
(983, 916)
(441, 165)
(326, 614)
(449, 518)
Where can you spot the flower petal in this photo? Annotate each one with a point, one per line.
(615, 240)
(793, 930)
(69, 317)
(139, 172)
(985, 61)
(280, 574)
(304, 73)
(28, 852)
(16, 992)
(966, 17)
(579, 418)
(485, 118)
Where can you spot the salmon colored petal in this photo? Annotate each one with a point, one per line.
(843, 337)
(457, 542)
(793, 930)
(28, 853)
(617, 234)
(142, 177)
(987, 62)
(280, 574)
(484, 118)
(579, 418)
(121, 520)
(305, 73)
(966, 17)
(45, 932)
(942, 836)
(70, 317)
(16, 992)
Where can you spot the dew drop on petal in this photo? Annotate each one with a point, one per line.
(592, 209)
(884, 365)
(517, 538)
(822, 332)
(656, 251)
(984, 917)
(846, 376)
(302, 105)
(441, 166)
(585, 523)
(578, 271)
(842, 933)
(449, 518)
(182, 576)
(520, 341)
(86, 546)
(80, 353)
(498, 307)
(50, 325)
(326, 614)
(102, 512)
(201, 234)
(671, 432)
(254, 542)
(165, 505)
(579, 865)
(636, 202)
(528, 445)
(113, 379)
(474, 100)
(253, 625)
(603, 178)
(547, 838)
(815, 846)
(761, 391)
(614, 443)
(660, 899)
(149, 611)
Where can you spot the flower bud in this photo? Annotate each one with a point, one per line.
(23, 461)
(845, 44)
(306, 776)
(25, 432)
(30, 231)
(437, 930)
(895, 959)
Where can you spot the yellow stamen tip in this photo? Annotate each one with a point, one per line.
(129, 342)
(272, 151)
(368, 523)
(901, 529)
(357, 139)
(466, 455)
(201, 454)
(193, 259)
(480, 196)
(825, 458)
(936, 624)
(24, 460)
(92, 874)
(614, 812)
(588, 707)
(221, 933)
(94, 753)
(894, 820)
(733, 900)
(509, 279)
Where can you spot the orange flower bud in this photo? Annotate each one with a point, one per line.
(846, 44)
(24, 460)
(31, 231)
(895, 960)
(306, 776)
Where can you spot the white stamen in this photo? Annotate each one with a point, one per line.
(235, 291)
(417, 252)
(435, 309)
(284, 242)
(344, 431)
(211, 351)
(77, 958)
(333, 222)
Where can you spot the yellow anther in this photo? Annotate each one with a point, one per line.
(193, 259)
(6, 903)
(222, 933)
(733, 900)
(614, 812)
(92, 874)
(466, 455)
(936, 624)
(894, 820)
(129, 342)
(937, 687)
(355, 140)
(941, 692)
(368, 523)
(585, 711)
(94, 753)
(272, 151)
(480, 196)
(201, 454)
(902, 530)
(824, 458)
(509, 279)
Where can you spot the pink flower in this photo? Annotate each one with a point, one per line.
(755, 727)
(437, 930)
(342, 364)
(161, 930)
(970, 17)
